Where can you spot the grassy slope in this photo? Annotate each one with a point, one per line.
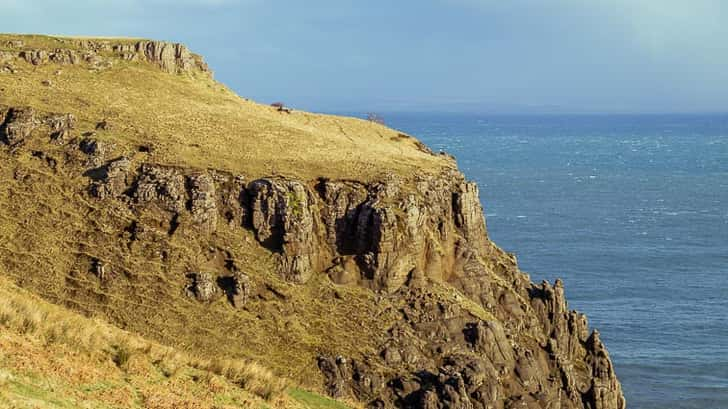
(287, 325)
(53, 358)
(195, 121)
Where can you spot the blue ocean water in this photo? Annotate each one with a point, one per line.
(632, 212)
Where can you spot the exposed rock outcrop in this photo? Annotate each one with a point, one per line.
(605, 391)
(459, 361)
(203, 202)
(112, 179)
(161, 186)
(282, 216)
(469, 330)
(173, 58)
(375, 235)
(400, 238)
(17, 124)
(202, 287)
(242, 289)
(6, 62)
(170, 57)
(61, 126)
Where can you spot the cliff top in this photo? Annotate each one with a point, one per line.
(159, 97)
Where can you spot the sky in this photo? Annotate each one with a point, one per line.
(490, 56)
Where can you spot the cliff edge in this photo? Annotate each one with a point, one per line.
(342, 254)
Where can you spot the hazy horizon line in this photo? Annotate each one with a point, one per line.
(515, 113)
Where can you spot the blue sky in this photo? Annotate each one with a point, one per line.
(456, 55)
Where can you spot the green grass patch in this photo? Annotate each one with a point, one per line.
(310, 400)
(28, 395)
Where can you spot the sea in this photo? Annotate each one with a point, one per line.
(631, 211)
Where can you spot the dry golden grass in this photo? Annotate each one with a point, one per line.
(249, 376)
(46, 345)
(198, 122)
(52, 260)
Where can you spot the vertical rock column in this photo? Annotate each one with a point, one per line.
(282, 214)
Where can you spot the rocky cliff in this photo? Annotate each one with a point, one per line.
(380, 284)
(99, 54)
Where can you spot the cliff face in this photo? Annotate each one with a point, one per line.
(100, 54)
(415, 306)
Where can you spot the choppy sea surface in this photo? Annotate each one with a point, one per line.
(632, 213)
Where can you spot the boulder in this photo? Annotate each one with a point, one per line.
(242, 290)
(60, 126)
(202, 287)
(17, 125)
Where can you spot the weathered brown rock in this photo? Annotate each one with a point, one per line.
(161, 186)
(17, 124)
(64, 57)
(94, 45)
(113, 179)
(343, 201)
(337, 375)
(376, 234)
(509, 370)
(282, 216)
(345, 377)
(242, 289)
(203, 202)
(7, 59)
(468, 214)
(60, 125)
(489, 338)
(202, 286)
(171, 57)
(98, 152)
(58, 56)
(35, 57)
(605, 392)
(390, 233)
(534, 353)
(96, 61)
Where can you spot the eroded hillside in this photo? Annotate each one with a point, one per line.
(344, 255)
